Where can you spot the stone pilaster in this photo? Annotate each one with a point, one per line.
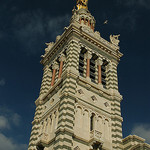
(61, 60)
(35, 127)
(116, 121)
(111, 76)
(46, 81)
(67, 100)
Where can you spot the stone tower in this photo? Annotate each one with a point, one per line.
(79, 103)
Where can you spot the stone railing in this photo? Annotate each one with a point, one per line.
(95, 136)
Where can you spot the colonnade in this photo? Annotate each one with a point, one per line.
(55, 66)
(98, 66)
(86, 21)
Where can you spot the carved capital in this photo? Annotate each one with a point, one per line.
(99, 62)
(55, 65)
(88, 55)
(62, 57)
(109, 67)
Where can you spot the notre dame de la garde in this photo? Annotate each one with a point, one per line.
(78, 107)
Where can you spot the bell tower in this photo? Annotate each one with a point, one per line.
(78, 107)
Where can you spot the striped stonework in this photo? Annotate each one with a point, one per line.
(111, 76)
(46, 81)
(79, 102)
(35, 127)
(64, 131)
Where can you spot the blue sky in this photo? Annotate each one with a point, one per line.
(25, 27)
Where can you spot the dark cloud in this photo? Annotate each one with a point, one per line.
(126, 21)
(138, 3)
(30, 27)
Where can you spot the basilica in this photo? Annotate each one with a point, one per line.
(78, 107)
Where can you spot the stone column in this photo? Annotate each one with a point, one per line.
(84, 21)
(54, 67)
(61, 59)
(99, 64)
(88, 57)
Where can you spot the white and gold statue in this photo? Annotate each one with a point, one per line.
(114, 39)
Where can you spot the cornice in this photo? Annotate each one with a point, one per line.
(133, 137)
(59, 44)
(101, 43)
(104, 45)
(141, 145)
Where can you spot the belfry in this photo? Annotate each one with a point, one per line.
(78, 107)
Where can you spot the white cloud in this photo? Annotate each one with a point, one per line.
(16, 119)
(8, 144)
(2, 82)
(4, 124)
(142, 130)
(8, 118)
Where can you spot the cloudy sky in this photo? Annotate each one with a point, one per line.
(25, 27)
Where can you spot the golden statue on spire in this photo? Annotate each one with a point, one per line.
(82, 4)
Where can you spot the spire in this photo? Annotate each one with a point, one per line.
(82, 4)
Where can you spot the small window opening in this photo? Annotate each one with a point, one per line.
(92, 122)
(81, 62)
(97, 145)
(92, 68)
(104, 73)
